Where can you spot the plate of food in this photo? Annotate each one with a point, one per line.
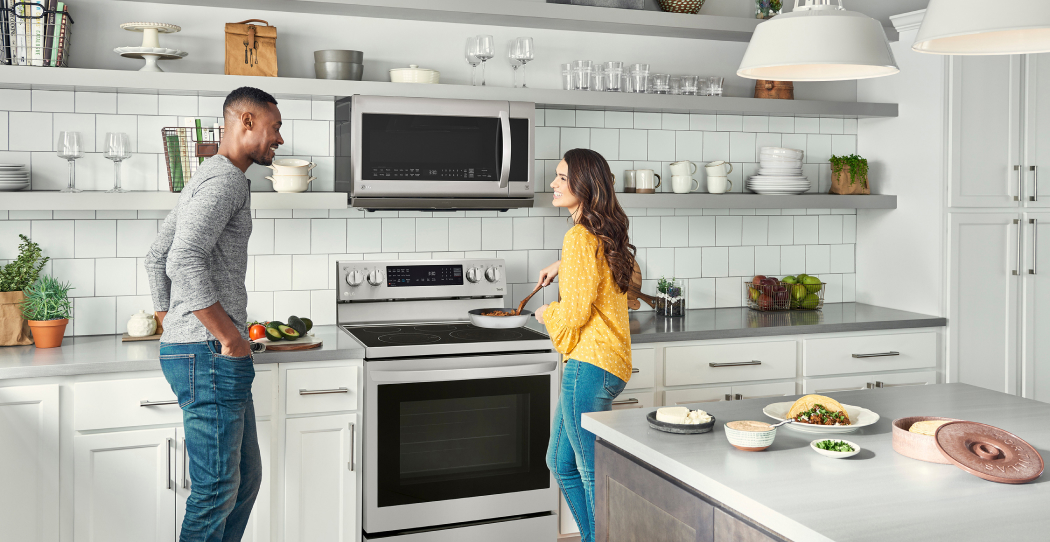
(820, 414)
(681, 420)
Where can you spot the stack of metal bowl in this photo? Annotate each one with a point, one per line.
(339, 64)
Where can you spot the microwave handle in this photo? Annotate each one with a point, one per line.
(441, 375)
(504, 174)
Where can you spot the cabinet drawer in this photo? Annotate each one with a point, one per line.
(643, 374)
(763, 391)
(869, 353)
(109, 404)
(629, 399)
(321, 389)
(708, 364)
(826, 386)
(702, 395)
(263, 392)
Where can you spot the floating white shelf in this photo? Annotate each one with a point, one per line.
(745, 201)
(155, 201)
(29, 77)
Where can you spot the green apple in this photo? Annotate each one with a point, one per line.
(810, 302)
(812, 284)
(798, 292)
(790, 279)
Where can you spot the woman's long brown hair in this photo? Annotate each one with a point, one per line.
(592, 182)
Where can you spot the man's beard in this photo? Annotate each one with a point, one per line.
(261, 159)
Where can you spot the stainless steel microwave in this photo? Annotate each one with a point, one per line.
(428, 153)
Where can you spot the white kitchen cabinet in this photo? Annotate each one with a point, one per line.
(1036, 298)
(985, 275)
(634, 399)
(729, 362)
(1037, 129)
(643, 369)
(869, 353)
(124, 486)
(836, 384)
(29, 464)
(258, 529)
(321, 466)
(986, 153)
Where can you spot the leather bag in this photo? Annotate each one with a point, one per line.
(251, 49)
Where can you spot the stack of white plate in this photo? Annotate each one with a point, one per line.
(779, 172)
(13, 177)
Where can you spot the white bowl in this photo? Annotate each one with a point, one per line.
(750, 441)
(291, 166)
(414, 74)
(290, 183)
(782, 151)
(836, 455)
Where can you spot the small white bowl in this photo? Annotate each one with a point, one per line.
(414, 74)
(836, 455)
(750, 441)
(290, 183)
(291, 166)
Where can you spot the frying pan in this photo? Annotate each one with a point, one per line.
(503, 322)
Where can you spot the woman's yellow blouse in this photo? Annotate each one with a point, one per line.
(590, 322)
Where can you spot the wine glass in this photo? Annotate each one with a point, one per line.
(472, 59)
(118, 149)
(522, 52)
(485, 50)
(70, 147)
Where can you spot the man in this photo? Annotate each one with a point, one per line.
(196, 271)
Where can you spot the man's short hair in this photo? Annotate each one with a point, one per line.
(249, 96)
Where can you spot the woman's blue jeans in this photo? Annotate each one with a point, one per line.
(215, 394)
(570, 454)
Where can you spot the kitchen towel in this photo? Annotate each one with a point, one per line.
(251, 49)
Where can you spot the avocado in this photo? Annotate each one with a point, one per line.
(295, 323)
(276, 324)
(273, 334)
(288, 333)
(309, 324)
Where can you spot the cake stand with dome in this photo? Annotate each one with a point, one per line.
(150, 50)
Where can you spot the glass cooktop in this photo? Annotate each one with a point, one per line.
(447, 333)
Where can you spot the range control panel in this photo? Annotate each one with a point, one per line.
(420, 279)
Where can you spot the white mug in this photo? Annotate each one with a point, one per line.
(718, 184)
(628, 180)
(646, 179)
(683, 184)
(718, 169)
(685, 167)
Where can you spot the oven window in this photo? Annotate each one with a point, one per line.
(430, 148)
(452, 440)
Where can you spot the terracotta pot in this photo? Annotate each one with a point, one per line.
(48, 333)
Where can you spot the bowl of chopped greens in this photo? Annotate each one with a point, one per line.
(839, 449)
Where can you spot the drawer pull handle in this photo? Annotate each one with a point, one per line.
(353, 431)
(631, 401)
(185, 465)
(321, 392)
(147, 402)
(635, 370)
(167, 451)
(867, 386)
(879, 355)
(736, 363)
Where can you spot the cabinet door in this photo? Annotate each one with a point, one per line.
(258, 529)
(320, 486)
(124, 486)
(1037, 130)
(1037, 309)
(697, 395)
(825, 386)
(29, 463)
(984, 281)
(986, 131)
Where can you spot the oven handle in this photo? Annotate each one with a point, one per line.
(504, 173)
(442, 375)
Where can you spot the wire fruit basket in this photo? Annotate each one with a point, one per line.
(806, 297)
(31, 34)
(185, 148)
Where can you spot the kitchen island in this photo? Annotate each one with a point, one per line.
(698, 487)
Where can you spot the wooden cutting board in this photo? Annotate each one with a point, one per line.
(634, 294)
(128, 338)
(305, 343)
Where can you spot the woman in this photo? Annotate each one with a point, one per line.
(589, 325)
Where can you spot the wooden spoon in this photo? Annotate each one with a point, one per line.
(521, 305)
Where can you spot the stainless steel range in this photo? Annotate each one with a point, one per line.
(456, 417)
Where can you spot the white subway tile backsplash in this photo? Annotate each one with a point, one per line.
(432, 234)
(818, 259)
(262, 239)
(843, 145)
(322, 306)
(299, 228)
(715, 261)
(646, 231)
(273, 273)
(517, 269)
(399, 234)
(729, 292)
(554, 229)
(575, 138)
(619, 119)
(210, 106)
(53, 100)
(130, 305)
(768, 140)
(16, 100)
(659, 262)
(75, 122)
(150, 135)
(716, 146)
(674, 121)
(137, 104)
(832, 288)
(742, 147)
(792, 259)
(295, 109)
(559, 117)
(807, 125)
(179, 106)
(687, 262)
(70, 215)
(647, 121)
(756, 124)
(741, 261)
(634, 145)
(310, 272)
(134, 237)
(849, 229)
(700, 293)
(115, 276)
(849, 288)
(55, 237)
(3, 130)
(288, 303)
(95, 238)
(830, 229)
(80, 273)
(842, 259)
(767, 260)
(794, 141)
(310, 213)
(323, 109)
(674, 231)
(497, 234)
(729, 123)
(690, 146)
(755, 230)
(260, 306)
(661, 145)
(528, 233)
(728, 230)
(327, 235)
(590, 119)
(702, 231)
(33, 131)
(606, 142)
(818, 148)
(806, 230)
(94, 316)
(849, 126)
(464, 234)
(548, 142)
(311, 137)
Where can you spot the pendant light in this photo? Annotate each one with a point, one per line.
(973, 27)
(818, 41)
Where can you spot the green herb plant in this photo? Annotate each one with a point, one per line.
(47, 299)
(669, 287)
(24, 271)
(858, 167)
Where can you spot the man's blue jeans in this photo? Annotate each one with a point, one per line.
(570, 454)
(215, 394)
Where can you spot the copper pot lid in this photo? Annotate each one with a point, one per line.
(989, 452)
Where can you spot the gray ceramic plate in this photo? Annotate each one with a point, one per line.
(678, 428)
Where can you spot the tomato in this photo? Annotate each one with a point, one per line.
(256, 332)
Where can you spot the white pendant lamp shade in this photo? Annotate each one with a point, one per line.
(974, 27)
(818, 42)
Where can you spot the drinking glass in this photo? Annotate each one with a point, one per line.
(581, 74)
(598, 80)
(613, 76)
(689, 85)
(523, 52)
(567, 80)
(484, 50)
(660, 83)
(118, 149)
(472, 47)
(676, 85)
(714, 86)
(70, 147)
(639, 78)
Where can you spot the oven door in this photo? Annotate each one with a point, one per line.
(438, 148)
(450, 440)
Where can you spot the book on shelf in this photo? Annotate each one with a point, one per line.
(58, 51)
(49, 31)
(36, 34)
(174, 157)
(5, 34)
(20, 33)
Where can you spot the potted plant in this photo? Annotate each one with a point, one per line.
(48, 309)
(669, 300)
(14, 278)
(849, 175)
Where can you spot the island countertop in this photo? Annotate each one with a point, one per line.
(107, 354)
(877, 495)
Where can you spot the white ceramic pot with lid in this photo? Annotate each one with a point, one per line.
(414, 74)
(292, 166)
(142, 324)
(290, 183)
